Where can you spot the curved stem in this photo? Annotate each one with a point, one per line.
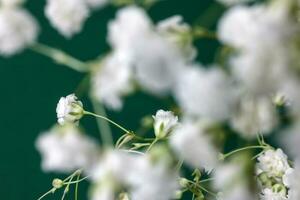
(60, 57)
(106, 119)
(242, 149)
(49, 192)
(152, 144)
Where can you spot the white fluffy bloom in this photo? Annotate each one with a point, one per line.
(269, 194)
(65, 149)
(206, 93)
(67, 16)
(179, 33)
(232, 2)
(253, 116)
(156, 61)
(192, 142)
(112, 81)
(142, 178)
(94, 4)
(292, 180)
(69, 109)
(18, 29)
(230, 181)
(164, 122)
(10, 3)
(273, 162)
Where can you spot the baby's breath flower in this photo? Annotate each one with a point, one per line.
(164, 122)
(69, 109)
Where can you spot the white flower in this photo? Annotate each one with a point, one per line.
(65, 149)
(192, 142)
(164, 122)
(67, 16)
(10, 3)
(273, 162)
(142, 178)
(269, 194)
(232, 2)
(69, 109)
(18, 29)
(253, 116)
(292, 180)
(205, 93)
(95, 4)
(112, 81)
(179, 33)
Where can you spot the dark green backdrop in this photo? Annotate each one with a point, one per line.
(31, 85)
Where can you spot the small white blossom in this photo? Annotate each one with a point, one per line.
(18, 29)
(253, 116)
(112, 81)
(291, 179)
(269, 194)
(65, 149)
(69, 109)
(67, 16)
(164, 123)
(143, 179)
(192, 142)
(274, 163)
(205, 93)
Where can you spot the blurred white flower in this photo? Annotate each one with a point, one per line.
(95, 4)
(69, 109)
(67, 16)
(192, 142)
(18, 29)
(142, 178)
(233, 2)
(112, 80)
(164, 123)
(206, 93)
(269, 194)
(254, 116)
(292, 180)
(11, 3)
(179, 33)
(273, 162)
(65, 149)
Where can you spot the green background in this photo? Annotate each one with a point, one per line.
(31, 85)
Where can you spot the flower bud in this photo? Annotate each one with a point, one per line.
(164, 122)
(57, 183)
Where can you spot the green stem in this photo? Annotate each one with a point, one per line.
(49, 192)
(104, 128)
(152, 144)
(242, 149)
(60, 57)
(76, 186)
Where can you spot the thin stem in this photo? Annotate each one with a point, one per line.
(49, 192)
(152, 144)
(103, 125)
(60, 57)
(242, 149)
(77, 181)
(76, 186)
(206, 180)
(106, 119)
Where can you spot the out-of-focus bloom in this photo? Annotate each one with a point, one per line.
(290, 138)
(270, 194)
(205, 93)
(18, 29)
(192, 142)
(155, 60)
(179, 33)
(95, 4)
(274, 163)
(10, 3)
(112, 80)
(143, 178)
(164, 123)
(67, 16)
(65, 149)
(233, 2)
(254, 116)
(230, 180)
(69, 109)
(292, 180)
